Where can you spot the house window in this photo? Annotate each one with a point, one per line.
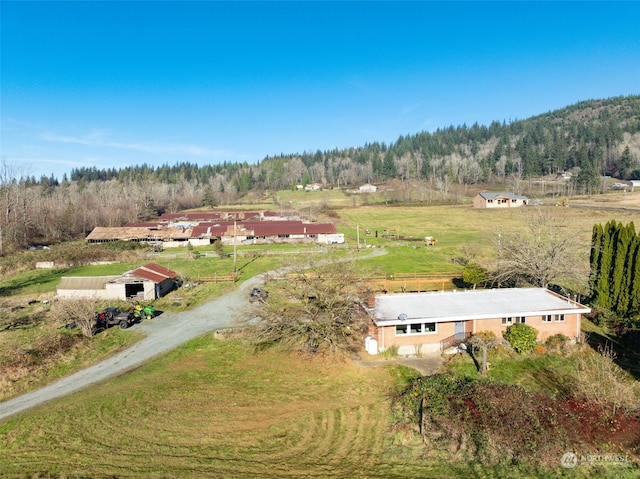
(507, 321)
(415, 328)
(521, 319)
(429, 327)
(546, 318)
(559, 318)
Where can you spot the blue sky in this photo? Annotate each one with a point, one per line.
(112, 84)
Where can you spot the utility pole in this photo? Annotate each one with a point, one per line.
(358, 235)
(235, 255)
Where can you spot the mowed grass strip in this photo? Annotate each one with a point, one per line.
(212, 409)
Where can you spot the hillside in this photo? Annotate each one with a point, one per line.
(601, 136)
(589, 139)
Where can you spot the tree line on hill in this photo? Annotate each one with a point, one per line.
(590, 139)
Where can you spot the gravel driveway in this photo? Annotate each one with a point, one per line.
(164, 333)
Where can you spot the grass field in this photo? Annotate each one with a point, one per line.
(460, 230)
(214, 409)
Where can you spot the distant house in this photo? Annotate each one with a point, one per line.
(367, 188)
(429, 322)
(499, 200)
(313, 187)
(147, 282)
(563, 176)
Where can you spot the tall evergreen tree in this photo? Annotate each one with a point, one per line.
(634, 275)
(597, 245)
(615, 269)
(619, 294)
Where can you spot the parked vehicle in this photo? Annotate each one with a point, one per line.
(258, 294)
(111, 316)
(140, 311)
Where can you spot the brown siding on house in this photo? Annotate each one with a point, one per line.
(387, 336)
(479, 202)
(570, 327)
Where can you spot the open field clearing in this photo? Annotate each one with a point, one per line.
(214, 409)
(459, 230)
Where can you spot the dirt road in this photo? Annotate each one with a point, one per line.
(162, 334)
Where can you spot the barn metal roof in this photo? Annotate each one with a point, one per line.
(154, 272)
(132, 233)
(274, 228)
(263, 228)
(84, 282)
(471, 304)
(210, 229)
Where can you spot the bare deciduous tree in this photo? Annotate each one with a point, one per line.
(542, 253)
(314, 311)
(483, 341)
(79, 311)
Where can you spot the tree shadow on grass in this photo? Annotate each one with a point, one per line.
(624, 349)
(552, 382)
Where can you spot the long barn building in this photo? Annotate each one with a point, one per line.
(201, 229)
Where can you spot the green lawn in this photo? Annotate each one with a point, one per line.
(215, 409)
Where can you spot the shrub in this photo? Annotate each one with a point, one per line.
(540, 349)
(557, 343)
(521, 337)
(600, 380)
(390, 352)
(314, 312)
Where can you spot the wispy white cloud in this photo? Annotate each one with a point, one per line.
(405, 110)
(101, 139)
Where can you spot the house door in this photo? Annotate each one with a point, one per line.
(459, 330)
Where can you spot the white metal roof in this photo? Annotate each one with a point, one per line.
(470, 304)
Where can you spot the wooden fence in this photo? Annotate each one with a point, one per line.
(413, 282)
(402, 282)
(218, 278)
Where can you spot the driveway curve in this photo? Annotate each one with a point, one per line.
(164, 333)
